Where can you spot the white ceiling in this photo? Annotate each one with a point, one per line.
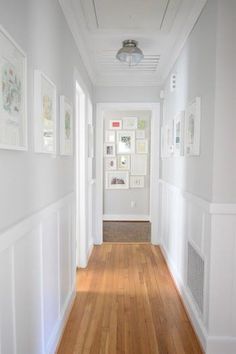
(160, 27)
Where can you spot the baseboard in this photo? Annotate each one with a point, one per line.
(194, 318)
(220, 345)
(107, 217)
(90, 250)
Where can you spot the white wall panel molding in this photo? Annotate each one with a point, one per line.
(37, 271)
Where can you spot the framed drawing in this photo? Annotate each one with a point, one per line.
(115, 124)
(125, 142)
(45, 114)
(142, 146)
(110, 164)
(109, 149)
(130, 123)
(13, 94)
(139, 165)
(117, 180)
(90, 141)
(66, 127)
(140, 134)
(142, 124)
(179, 130)
(110, 136)
(192, 128)
(136, 181)
(124, 162)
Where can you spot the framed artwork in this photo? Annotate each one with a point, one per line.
(110, 164)
(13, 94)
(109, 149)
(45, 114)
(140, 134)
(136, 181)
(117, 180)
(115, 124)
(130, 123)
(142, 146)
(110, 136)
(66, 126)
(142, 124)
(192, 128)
(179, 130)
(125, 142)
(90, 141)
(124, 162)
(139, 165)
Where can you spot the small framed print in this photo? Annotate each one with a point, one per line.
(109, 149)
(139, 165)
(140, 134)
(142, 124)
(125, 142)
(110, 164)
(130, 123)
(193, 120)
(117, 180)
(123, 162)
(179, 134)
(141, 146)
(110, 136)
(66, 126)
(115, 124)
(136, 181)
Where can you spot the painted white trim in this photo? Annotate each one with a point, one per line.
(154, 170)
(220, 345)
(126, 217)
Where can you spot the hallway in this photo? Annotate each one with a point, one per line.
(126, 302)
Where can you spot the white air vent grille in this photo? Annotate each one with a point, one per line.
(195, 276)
(109, 63)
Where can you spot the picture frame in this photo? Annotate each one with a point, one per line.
(142, 124)
(136, 181)
(110, 136)
(115, 124)
(125, 142)
(13, 94)
(192, 127)
(130, 123)
(140, 134)
(142, 146)
(109, 150)
(179, 132)
(44, 113)
(66, 127)
(90, 141)
(124, 162)
(139, 165)
(110, 163)
(117, 180)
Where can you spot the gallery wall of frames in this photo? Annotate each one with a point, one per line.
(126, 148)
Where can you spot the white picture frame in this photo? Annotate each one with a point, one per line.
(110, 136)
(44, 114)
(192, 127)
(136, 181)
(13, 94)
(66, 127)
(142, 146)
(130, 123)
(139, 165)
(115, 124)
(179, 133)
(110, 163)
(123, 162)
(140, 134)
(125, 142)
(117, 180)
(109, 150)
(90, 141)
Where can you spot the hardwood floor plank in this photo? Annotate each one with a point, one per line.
(127, 303)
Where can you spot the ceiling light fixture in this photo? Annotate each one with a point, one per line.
(130, 53)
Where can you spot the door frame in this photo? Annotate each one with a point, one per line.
(154, 162)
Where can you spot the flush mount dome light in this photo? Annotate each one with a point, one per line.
(130, 53)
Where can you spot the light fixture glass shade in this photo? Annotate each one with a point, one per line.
(130, 53)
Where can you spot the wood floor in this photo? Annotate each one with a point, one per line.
(127, 303)
(126, 231)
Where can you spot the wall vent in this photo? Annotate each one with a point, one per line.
(195, 276)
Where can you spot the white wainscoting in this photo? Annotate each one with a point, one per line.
(37, 279)
(210, 229)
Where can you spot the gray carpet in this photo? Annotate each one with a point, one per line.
(126, 231)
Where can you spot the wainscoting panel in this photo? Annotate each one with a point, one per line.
(37, 273)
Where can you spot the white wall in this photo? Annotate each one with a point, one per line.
(37, 214)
